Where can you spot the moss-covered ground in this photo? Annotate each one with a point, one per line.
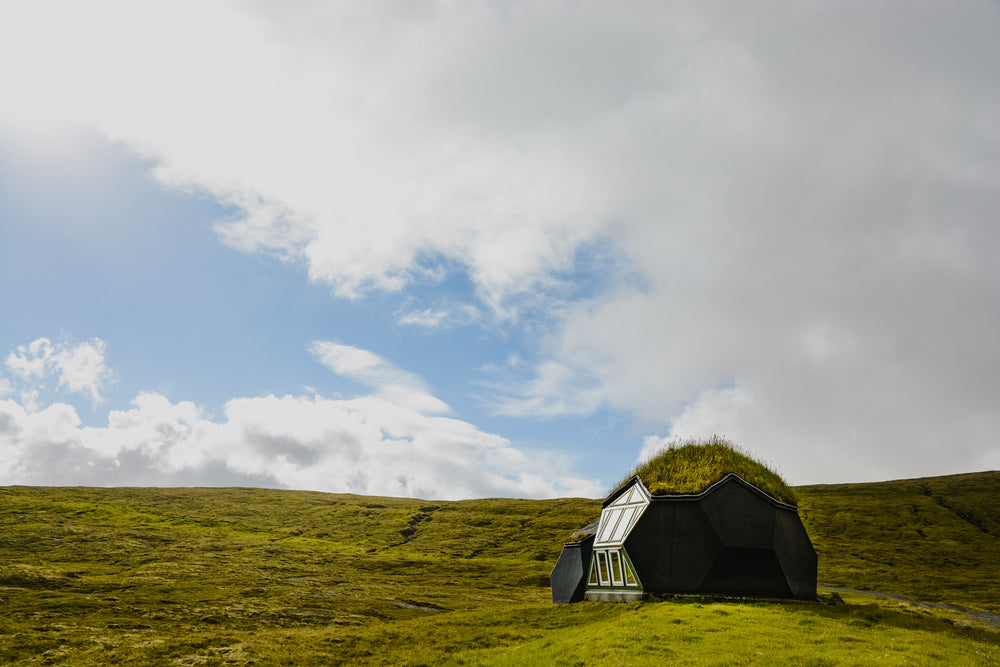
(250, 576)
(934, 539)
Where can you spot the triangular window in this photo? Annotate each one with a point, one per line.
(630, 576)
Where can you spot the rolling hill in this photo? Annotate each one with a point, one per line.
(254, 576)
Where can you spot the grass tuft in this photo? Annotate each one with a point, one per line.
(692, 466)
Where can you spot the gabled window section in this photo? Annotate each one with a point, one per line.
(618, 518)
(610, 565)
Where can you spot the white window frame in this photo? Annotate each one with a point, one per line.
(603, 575)
(602, 566)
(618, 518)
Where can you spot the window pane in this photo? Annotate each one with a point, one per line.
(629, 575)
(608, 521)
(593, 572)
(625, 499)
(616, 568)
(603, 527)
(623, 524)
(602, 567)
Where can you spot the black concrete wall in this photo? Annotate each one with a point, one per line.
(733, 541)
(672, 547)
(569, 576)
(796, 554)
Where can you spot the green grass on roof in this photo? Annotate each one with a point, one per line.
(694, 465)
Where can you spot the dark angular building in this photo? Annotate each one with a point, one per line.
(569, 576)
(730, 539)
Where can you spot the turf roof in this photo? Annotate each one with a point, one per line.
(694, 465)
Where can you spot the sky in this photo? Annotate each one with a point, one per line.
(475, 249)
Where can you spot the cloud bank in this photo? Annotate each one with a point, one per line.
(77, 369)
(805, 195)
(392, 442)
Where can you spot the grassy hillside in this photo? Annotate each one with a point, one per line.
(241, 576)
(935, 539)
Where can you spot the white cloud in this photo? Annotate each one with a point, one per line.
(388, 380)
(29, 361)
(387, 146)
(446, 316)
(31, 400)
(807, 192)
(428, 317)
(363, 365)
(79, 369)
(393, 441)
(816, 248)
(729, 410)
(557, 389)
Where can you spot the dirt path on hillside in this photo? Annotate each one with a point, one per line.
(981, 616)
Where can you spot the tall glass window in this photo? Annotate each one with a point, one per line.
(616, 568)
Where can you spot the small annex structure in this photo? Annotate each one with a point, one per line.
(730, 539)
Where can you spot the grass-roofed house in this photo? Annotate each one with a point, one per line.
(701, 517)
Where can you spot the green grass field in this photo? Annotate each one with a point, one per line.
(250, 576)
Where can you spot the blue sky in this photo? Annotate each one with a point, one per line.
(458, 251)
(115, 256)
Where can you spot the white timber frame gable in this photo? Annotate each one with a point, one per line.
(610, 565)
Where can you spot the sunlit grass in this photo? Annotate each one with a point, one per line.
(935, 539)
(759, 633)
(249, 576)
(694, 465)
